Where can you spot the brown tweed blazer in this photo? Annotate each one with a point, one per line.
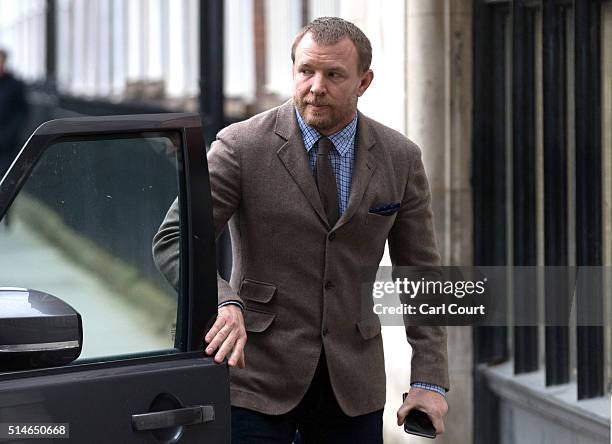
(300, 285)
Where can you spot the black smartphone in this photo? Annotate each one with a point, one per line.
(418, 423)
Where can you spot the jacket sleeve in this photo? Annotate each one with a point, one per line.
(166, 246)
(224, 171)
(412, 243)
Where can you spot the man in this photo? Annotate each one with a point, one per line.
(301, 186)
(13, 111)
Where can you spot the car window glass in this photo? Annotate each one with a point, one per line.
(81, 229)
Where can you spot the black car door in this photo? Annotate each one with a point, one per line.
(78, 211)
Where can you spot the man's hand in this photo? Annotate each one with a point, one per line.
(228, 335)
(432, 403)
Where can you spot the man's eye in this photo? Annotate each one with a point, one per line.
(334, 75)
(306, 71)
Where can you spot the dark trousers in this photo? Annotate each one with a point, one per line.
(317, 419)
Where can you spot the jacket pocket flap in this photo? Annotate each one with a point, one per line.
(369, 328)
(257, 321)
(257, 291)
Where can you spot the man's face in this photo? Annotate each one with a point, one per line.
(327, 82)
(2, 64)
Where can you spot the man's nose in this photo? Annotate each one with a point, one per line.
(318, 85)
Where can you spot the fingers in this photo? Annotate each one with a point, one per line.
(218, 338)
(404, 410)
(228, 335)
(436, 419)
(237, 357)
(437, 423)
(437, 414)
(219, 323)
(225, 323)
(433, 404)
(226, 345)
(401, 417)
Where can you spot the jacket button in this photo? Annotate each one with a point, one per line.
(332, 236)
(329, 285)
(324, 331)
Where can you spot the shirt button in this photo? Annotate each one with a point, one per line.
(332, 236)
(329, 285)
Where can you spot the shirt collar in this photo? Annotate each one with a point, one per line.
(343, 140)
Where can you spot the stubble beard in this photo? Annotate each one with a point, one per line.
(323, 121)
(318, 120)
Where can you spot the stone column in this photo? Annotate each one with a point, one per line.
(439, 111)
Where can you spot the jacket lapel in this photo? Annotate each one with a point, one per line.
(294, 157)
(365, 165)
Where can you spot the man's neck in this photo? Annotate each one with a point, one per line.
(337, 128)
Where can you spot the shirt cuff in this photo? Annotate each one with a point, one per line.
(430, 387)
(232, 302)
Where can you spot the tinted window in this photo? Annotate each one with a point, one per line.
(81, 229)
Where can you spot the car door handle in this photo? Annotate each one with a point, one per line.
(173, 418)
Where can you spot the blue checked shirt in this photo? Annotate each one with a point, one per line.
(342, 158)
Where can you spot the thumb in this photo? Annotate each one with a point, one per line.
(403, 411)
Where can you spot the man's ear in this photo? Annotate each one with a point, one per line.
(366, 80)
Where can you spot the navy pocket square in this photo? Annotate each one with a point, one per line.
(386, 209)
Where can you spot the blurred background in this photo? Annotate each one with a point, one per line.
(510, 101)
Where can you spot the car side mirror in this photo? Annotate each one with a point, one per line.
(37, 330)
